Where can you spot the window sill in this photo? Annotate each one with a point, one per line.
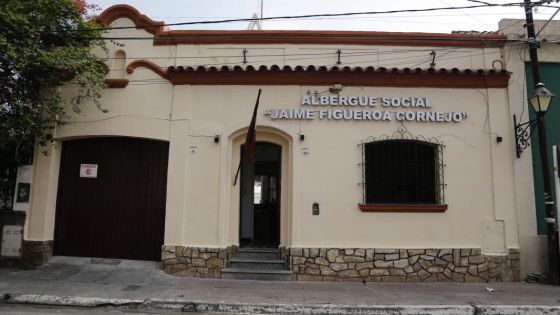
(382, 207)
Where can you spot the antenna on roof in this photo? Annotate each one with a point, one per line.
(256, 23)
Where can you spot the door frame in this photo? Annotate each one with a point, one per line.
(242, 180)
(232, 217)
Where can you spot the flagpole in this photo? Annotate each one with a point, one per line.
(237, 173)
(249, 145)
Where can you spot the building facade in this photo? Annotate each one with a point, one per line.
(378, 156)
(528, 171)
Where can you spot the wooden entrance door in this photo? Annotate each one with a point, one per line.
(120, 213)
(260, 197)
(267, 203)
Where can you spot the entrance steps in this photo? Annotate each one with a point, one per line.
(257, 264)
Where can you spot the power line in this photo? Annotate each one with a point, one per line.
(477, 1)
(271, 37)
(485, 5)
(415, 62)
(333, 53)
(437, 59)
(358, 17)
(419, 60)
(470, 16)
(538, 3)
(329, 56)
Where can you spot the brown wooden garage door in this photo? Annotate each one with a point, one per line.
(121, 212)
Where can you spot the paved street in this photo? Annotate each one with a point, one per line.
(82, 282)
(49, 310)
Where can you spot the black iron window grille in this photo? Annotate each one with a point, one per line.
(402, 169)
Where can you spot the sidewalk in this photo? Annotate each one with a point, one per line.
(83, 282)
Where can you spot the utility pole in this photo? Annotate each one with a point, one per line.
(552, 227)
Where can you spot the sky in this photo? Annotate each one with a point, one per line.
(480, 19)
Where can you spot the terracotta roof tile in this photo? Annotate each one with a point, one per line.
(313, 68)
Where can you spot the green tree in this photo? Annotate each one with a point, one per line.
(44, 44)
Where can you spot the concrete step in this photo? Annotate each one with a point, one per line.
(258, 253)
(260, 264)
(255, 274)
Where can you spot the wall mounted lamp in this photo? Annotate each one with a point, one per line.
(336, 88)
(540, 101)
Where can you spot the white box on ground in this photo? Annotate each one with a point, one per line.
(11, 241)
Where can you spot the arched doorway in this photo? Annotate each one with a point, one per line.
(260, 195)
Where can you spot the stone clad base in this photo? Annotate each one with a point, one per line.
(201, 262)
(358, 264)
(411, 265)
(36, 253)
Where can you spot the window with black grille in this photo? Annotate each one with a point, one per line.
(402, 172)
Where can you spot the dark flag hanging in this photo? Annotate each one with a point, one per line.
(251, 138)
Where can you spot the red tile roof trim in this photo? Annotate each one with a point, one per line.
(312, 75)
(116, 83)
(147, 64)
(125, 11)
(163, 36)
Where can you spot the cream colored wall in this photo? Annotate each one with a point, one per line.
(468, 173)
(140, 110)
(136, 49)
(476, 166)
(203, 205)
(533, 246)
(39, 222)
(286, 54)
(352, 55)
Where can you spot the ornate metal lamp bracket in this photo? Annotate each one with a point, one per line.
(523, 132)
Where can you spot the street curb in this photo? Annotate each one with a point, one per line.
(517, 309)
(256, 308)
(244, 308)
(78, 301)
(336, 309)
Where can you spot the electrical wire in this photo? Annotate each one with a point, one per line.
(299, 59)
(424, 60)
(343, 18)
(467, 14)
(329, 54)
(538, 3)
(215, 37)
(350, 54)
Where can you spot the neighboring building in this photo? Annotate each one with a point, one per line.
(528, 171)
(379, 157)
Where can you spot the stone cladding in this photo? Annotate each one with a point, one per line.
(201, 262)
(400, 265)
(36, 253)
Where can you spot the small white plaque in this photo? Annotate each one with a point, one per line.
(88, 170)
(22, 192)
